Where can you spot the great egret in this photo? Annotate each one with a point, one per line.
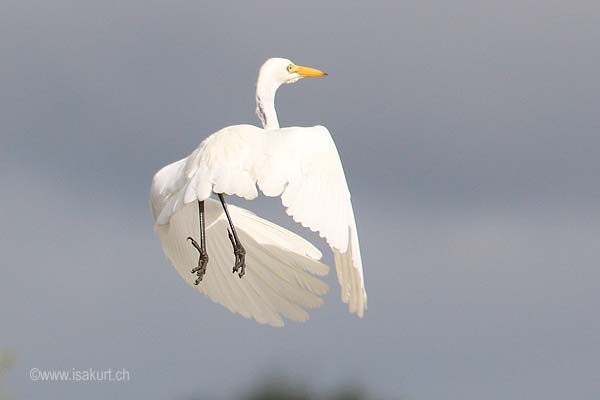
(300, 164)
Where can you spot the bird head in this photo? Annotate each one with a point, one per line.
(279, 71)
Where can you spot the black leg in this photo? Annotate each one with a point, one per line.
(238, 249)
(200, 270)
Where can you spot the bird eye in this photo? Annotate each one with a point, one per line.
(290, 68)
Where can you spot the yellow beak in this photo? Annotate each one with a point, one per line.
(307, 72)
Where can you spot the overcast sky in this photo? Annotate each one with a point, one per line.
(469, 132)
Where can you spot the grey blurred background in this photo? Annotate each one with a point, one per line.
(469, 135)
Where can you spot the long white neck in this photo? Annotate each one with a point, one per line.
(265, 103)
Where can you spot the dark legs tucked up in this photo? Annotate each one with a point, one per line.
(238, 249)
(200, 270)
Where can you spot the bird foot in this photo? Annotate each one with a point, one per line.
(240, 256)
(200, 270)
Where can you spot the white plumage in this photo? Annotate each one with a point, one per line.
(300, 164)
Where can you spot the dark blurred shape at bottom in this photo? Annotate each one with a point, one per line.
(277, 387)
(287, 389)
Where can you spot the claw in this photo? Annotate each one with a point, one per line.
(200, 270)
(240, 261)
(240, 256)
(194, 243)
(194, 270)
(202, 262)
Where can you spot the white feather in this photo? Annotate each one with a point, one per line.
(278, 282)
(302, 165)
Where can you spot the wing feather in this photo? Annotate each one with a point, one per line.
(278, 284)
(302, 165)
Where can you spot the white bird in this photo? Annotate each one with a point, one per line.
(300, 164)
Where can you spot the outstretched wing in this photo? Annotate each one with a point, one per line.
(302, 166)
(279, 282)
